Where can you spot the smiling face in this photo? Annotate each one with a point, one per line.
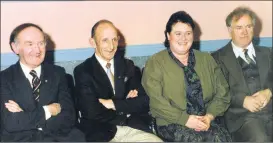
(105, 41)
(30, 45)
(241, 31)
(180, 38)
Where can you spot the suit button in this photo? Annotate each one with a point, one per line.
(120, 113)
(121, 123)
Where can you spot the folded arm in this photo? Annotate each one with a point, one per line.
(66, 118)
(88, 100)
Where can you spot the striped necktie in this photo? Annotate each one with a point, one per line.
(249, 60)
(110, 75)
(36, 82)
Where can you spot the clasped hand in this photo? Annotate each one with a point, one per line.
(257, 101)
(199, 123)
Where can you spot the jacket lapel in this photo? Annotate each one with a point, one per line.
(23, 93)
(234, 67)
(120, 77)
(263, 65)
(47, 80)
(96, 71)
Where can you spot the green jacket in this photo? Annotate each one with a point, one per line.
(163, 80)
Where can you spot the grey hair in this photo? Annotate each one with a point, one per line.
(237, 13)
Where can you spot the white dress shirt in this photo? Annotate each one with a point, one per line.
(26, 71)
(238, 51)
(103, 64)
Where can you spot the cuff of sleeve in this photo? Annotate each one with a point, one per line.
(182, 120)
(213, 112)
(211, 116)
(47, 113)
(116, 104)
(240, 100)
(270, 90)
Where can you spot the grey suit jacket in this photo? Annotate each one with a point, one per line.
(233, 73)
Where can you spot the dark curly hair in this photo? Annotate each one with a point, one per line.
(180, 16)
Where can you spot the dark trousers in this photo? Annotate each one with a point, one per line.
(75, 135)
(255, 129)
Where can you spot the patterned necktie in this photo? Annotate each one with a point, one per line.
(249, 60)
(36, 82)
(110, 75)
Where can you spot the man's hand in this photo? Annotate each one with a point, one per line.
(54, 109)
(263, 96)
(194, 122)
(132, 94)
(13, 107)
(252, 104)
(107, 103)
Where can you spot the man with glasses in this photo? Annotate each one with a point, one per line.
(248, 70)
(111, 100)
(36, 104)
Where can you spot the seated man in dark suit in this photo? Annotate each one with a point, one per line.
(112, 102)
(35, 101)
(248, 70)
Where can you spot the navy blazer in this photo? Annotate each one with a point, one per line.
(54, 89)
(92, 83)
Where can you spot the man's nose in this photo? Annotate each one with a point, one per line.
(111, 46)
(245, 31)
(36, 48)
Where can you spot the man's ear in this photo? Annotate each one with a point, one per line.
(229, 30)
(92, 42)
(15, 48)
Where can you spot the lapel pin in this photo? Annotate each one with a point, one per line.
(45, 80)
(125, 79)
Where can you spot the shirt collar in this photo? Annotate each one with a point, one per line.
(238, 51)
(103, 63)
(26, 70)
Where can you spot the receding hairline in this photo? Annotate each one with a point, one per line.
(238, 13)
(236, 18)
(105, 25)
(42, 32)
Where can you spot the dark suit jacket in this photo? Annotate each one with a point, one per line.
(92, 83)
(232, 70)
(22, 126)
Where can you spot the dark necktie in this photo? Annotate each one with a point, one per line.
(249, 60)
(36, 82)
